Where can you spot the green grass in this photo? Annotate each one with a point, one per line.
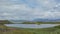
(30, 30)
(33, 31)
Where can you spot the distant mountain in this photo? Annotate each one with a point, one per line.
(18, 21)
(35, 20)
(47, 20)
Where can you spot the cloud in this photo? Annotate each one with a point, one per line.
(29, 9)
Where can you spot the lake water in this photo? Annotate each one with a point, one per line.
(31, 25)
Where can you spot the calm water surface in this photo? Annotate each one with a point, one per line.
(31, 25)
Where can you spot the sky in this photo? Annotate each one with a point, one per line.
(29, 9)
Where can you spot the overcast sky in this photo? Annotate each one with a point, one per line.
(29, 9)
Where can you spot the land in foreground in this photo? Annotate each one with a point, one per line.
(14, 30)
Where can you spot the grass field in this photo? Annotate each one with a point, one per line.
(32, 31)
(7, 30)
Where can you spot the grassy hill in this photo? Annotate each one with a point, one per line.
(5, 22)
(40, 23)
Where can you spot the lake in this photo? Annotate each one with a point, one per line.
(31, 25)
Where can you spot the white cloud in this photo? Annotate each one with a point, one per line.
(14, 7)
(5, 14)
(23, 11)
